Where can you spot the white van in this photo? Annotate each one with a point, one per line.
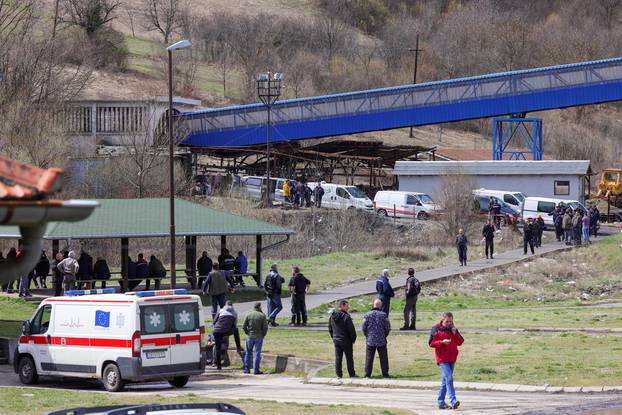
(544, 207)
(404, 204)
(337, 196)
(514, 199)
(114, 337)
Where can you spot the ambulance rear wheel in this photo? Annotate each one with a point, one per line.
(27, 371)
(178, 381)
(111, 378)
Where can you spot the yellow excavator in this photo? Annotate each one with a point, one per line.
(609, 196)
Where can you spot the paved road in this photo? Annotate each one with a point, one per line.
(369, 287)
(289, 389)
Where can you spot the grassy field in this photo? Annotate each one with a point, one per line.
(557, 359)
(41, 401)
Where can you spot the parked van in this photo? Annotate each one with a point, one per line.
(253, 186)
(114, 337)
(337, 196)
(543, 206)
(404, 204)
(514, 199)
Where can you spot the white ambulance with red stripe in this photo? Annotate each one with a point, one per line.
(118, 338)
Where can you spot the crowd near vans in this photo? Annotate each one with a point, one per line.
(513, 199)
(337, 196)
(543, 206)
(117, 338)
(404, 204)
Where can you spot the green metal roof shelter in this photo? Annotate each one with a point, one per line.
(148, 218)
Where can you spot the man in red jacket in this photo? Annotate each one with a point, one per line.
(445, 339)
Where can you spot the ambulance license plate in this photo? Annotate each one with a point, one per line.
(156, 354)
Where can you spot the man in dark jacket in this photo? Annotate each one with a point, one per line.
(273, 286)
(227, 264)
(204, 266)
(85, 272)
(343, 333)
(318, 194)
(225, 325)
(558, 217)
(156, 271)
(42, 269)
(376, 328)
(101, 272)
(461, 245)
(445, 339)
(489, 236)
(299, 285)
(594, 218)
(411, 294)
(528, 232)
(495, 211)
(385, 291)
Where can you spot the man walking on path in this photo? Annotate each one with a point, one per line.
(461, 245)
(376, 328)
(216, 287)
(528, 232)
(343, 333)
(273, 286)
(411, 292)
(256, 327)
(385, 291)
(488, 232)
(225, 325)
(445, 339)
(299, 285)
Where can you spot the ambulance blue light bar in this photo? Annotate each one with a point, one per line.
(90, 292)
(161, 292)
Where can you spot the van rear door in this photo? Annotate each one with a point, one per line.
(185, 325)
(155, 336)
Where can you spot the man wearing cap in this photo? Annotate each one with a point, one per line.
(256, 327)
(273, 286)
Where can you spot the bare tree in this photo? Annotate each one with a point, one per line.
(331, 30)
(458, 204)
(162, 16)
(90, 15)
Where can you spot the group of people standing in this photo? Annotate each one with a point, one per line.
(299, 193)
(575, 227)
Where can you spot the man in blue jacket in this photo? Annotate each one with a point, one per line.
(376, 328)
(385, 291)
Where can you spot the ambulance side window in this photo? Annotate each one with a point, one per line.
(153, 319)
(185, 317)
(41, 322)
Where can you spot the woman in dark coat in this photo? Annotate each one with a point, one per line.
(42, 269)
(101, 272)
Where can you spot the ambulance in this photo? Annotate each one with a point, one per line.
(118, 338)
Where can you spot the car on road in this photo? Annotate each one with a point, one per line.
(338, 196)
(117, 338)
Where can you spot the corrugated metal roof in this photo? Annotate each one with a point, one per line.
(490, 167)
(143, 218)
(464, 154)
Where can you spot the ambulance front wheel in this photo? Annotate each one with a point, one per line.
(179, 381)
(27, 371)
(111, 377)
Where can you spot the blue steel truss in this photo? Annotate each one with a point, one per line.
(491, 95)
(517, 138)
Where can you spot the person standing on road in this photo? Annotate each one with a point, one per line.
(385, 291)
(273, 286)
(495, 208)
(528, 232)
(411, 293)
(558, 217)
(461, 244)
(299, 286)
(567, 225)
(318, 194)
(539, 231)
(204, 266)
(343, 333)
(445, 339)
(225, 325)
(488, 232)
(256, 327)
(216, 287)
(576, 226)
(585, 228)
(376, 327)
(594, 218)
(69, 268)
(42, 269)
(57, 275)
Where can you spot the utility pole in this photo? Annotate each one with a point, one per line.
(416, 50)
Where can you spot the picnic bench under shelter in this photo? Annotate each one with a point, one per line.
(125, 219)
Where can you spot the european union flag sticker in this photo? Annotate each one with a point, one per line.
(102, 318)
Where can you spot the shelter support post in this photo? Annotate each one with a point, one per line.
(125, 254)
(258, 247)
(55, 247)
(223, 243)
(191, 260)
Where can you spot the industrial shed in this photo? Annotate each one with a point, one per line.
(561, 179)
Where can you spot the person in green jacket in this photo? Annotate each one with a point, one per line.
(256, 327)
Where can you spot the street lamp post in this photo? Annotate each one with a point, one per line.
(171, 153)
(269, 90)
